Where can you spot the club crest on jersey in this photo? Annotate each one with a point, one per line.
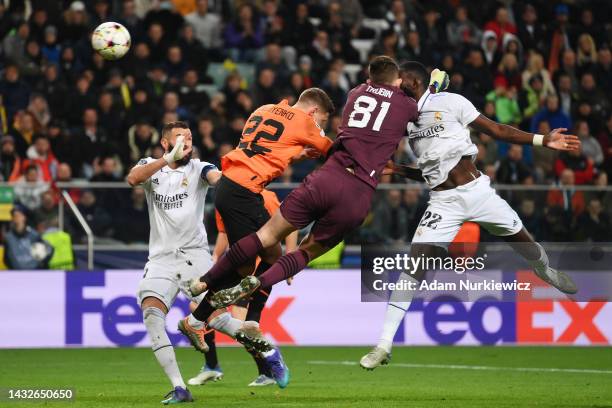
(184, 183)
(438, 116)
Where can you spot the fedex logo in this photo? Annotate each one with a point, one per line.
(121, 310)
(518, 320)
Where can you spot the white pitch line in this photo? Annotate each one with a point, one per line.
(474, 367)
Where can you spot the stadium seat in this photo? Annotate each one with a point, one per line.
(352, 70)
(376, 24)
(364, 47)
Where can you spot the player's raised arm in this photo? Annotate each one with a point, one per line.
(555, 140)
(143, 170)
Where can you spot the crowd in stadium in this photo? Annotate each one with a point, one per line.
(66, 113)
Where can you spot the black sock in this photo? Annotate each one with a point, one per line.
(257, 304)
(204, 309)
(262, 367)
(211, 355)
(259, 298)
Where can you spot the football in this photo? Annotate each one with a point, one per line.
(111, 40)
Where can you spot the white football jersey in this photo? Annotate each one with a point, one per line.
(441, 136)
(176, 201)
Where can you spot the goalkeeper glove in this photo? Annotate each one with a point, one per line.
(438, 81)
(177, 152)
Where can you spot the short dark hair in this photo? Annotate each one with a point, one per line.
(418, 70)
(383, 70)
(179, 124)
(318, 97)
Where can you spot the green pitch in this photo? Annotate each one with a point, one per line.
(471, 377)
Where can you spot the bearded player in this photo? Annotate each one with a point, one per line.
(459, 192)
(175, 187)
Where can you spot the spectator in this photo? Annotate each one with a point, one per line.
(391, 219)
(64, 175)
(477, 78)
(95, 215)
(551, 114)
(194, 53)
(331, 85)
(603, 68)
(174, 65)
(489, 48)
(10, 162)
(501, 25)
(41, 156)
(207, 139)
(245, 35)
(264, 91)
(74, 27)
(589, 145)
(581, 166)
(206, 26)
(110, 116)
(47, 211)
(15, 92)
(40, 109)
(566, 197)
(535, 66)
(80, 99)
(192, 93)
(29, 187)
(508, 69)
(543, 158)
(461, 31)
(25, 129)
(560, 38)
(90, 140)
(51, 50)
(24, 248)
(594, 224)
(142, 109)
(590, 93)
(532, 221)
(157, 44)
(567, 97)
(531, 98)
(142, 137)
(587, 52)
(321, 53)
(512, 169)
(299, 31)
(531, 34)
(53, 89)
(14, 44)
(506, 104)
(172, 103)
(135, 224)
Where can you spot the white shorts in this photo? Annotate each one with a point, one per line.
(475, 201)
(166, 276)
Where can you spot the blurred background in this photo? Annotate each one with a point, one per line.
(72, 124)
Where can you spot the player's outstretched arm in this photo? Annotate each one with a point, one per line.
(555, 140)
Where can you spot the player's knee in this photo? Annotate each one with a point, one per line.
(155, 322)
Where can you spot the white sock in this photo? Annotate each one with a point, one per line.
(226, 324)
(195, 323)
(155, 322)
(396, 310)
(540, 264)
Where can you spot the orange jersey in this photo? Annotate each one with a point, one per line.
(270, 202)
(272, 136)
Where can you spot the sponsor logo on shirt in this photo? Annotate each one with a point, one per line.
(169, 202)
(429, 132)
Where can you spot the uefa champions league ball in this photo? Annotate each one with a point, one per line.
(111, 40)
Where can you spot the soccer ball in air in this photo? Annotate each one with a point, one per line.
(111, 40)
